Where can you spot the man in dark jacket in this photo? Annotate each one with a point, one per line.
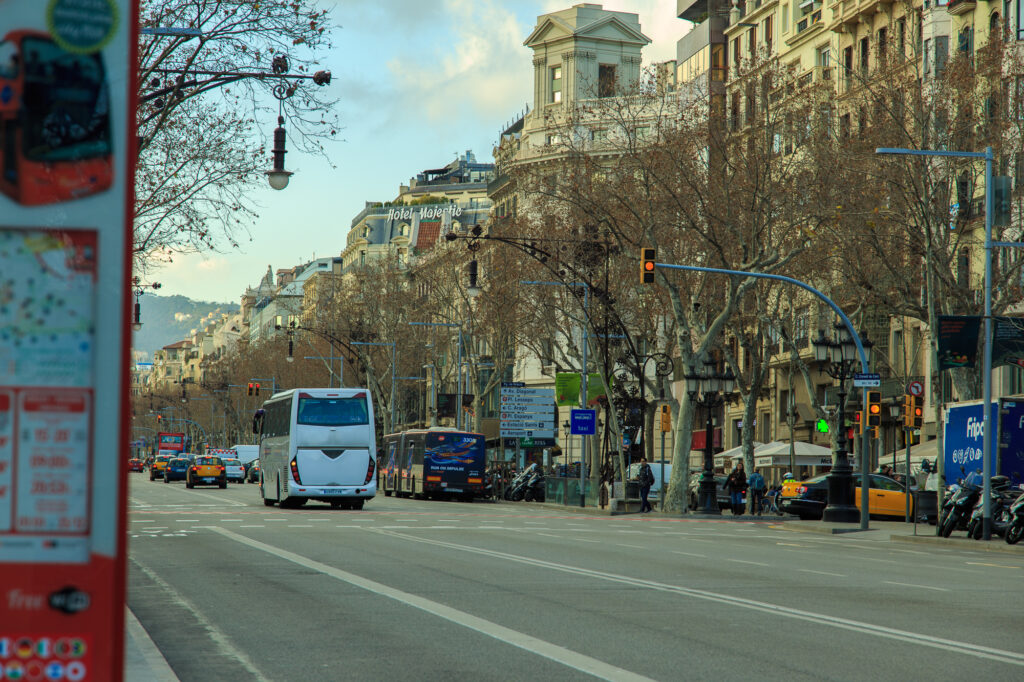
(645, 476)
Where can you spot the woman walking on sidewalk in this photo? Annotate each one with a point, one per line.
(735, 485)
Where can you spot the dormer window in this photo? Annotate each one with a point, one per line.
(556, 84)
(403, 230)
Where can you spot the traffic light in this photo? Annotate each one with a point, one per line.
(666, 419)
(858, 419)
(251, 385)
(918, 411)
(257, 387)
(874, 408)
(647, 257)
(908, 411)
(159, 418)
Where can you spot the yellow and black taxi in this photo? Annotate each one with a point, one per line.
(886, 497)
(206, 470)
(156, 469)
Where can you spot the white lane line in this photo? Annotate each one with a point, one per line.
(834, 575)
(224, 644)
(221, 500)
(699, 556)
(252, 526)
(923, 587)
(223, 520)
(533, 645)
(154, 528)
(619, 544)
(547, 535)
(296, 525)
(631, 531)
(881, 561)
(535, 522)
(754, 563)
(187, 520)
(947, 645)
(143, 520)
(350, 526)
(281, 520)
(596, 542)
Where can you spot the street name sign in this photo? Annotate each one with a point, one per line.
(867, 380)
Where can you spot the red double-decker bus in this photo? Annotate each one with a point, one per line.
(170, 442)
(54, 121)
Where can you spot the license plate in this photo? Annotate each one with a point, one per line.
(208, 480)
(455, 490)
(333, 491)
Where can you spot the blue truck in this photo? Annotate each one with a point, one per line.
(964, 431)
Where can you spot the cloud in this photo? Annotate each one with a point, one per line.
(483, 66)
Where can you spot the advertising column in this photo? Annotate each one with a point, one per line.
(67, 135)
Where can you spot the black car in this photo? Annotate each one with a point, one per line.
(176, 469)
(252, 471)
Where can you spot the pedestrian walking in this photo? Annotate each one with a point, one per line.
(645, 476)
(735, 484)
(756, 486)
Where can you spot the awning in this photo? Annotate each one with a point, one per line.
(783, 462)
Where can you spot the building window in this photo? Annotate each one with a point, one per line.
(901, 37)
(403, 230)
(865, 52)
(848, 66)
(752, 42)
(556, 84)
(927, 59)
(736, 52)
(823, 57)
(767, 28)
(606, 80)
(554, 138)
(600, 135)
(941, 54)
(883, 44)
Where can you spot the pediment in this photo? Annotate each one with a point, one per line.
(550, 30)
(607, 28)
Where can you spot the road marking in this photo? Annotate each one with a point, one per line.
(229, 502)
(548, 535)
(187, 520)
(155, 528)
(598, 542)
(224, 644)
(947, 645)
(699, 556)
(226, 520)
(618, 544)
(882, 561)
(553, 652)
(791, 544)
(741, 561)
(982, 563)
(923, 587)
(632, 531)
(835, 575)
(252, 526)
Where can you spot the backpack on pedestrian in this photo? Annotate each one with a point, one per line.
(756, 482)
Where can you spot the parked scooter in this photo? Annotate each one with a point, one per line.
(535, 488)
(517, 487)
(1015, 530)
(956, 511)
(1000, 509)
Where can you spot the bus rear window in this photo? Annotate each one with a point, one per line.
(332, 411)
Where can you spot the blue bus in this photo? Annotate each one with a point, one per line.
(438, 462)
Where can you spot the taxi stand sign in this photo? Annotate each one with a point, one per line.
(62, 515)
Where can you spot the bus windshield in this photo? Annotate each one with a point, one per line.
(332, 411)
(66, 108)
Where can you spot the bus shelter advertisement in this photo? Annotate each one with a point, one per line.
(66, 95)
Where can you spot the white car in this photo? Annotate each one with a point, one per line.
(235, 471)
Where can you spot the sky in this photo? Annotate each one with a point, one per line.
(417, 82)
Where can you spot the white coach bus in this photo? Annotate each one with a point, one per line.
(317, 444)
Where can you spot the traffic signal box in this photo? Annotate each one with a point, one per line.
(254, 388)
(858, 420)
(666, 419)
(874, 408)
(918, 411)
(647, 257)
(913, 411)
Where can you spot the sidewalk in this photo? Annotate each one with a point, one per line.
(143, 662)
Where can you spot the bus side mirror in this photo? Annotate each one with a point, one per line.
(257, 421)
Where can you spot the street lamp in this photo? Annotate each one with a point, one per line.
(706, 390)
(838, 357)
(138, 288)
(458, 362)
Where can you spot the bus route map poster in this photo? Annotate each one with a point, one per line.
(67, 136)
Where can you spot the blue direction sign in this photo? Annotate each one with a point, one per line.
(867, 380)
(584, 422)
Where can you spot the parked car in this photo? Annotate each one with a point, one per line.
(156, 469)
(135, 464)
(176, 469)
(693, 492)
(252, 472)
(206, 471)
(234, 470)
(886, 497)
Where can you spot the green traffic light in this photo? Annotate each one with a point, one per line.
(821, 426)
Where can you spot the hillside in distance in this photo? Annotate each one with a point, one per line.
(167, 319)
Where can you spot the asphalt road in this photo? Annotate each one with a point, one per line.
(414, 590)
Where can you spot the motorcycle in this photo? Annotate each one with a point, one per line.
(534, 490)
(958, 507)
(999, 508)
(517, 487)
(1015, 529)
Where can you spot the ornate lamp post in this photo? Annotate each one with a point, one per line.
(707, 389)
(138, 288)
(839, 359)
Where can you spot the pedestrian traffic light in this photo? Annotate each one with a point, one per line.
(918, 411)
(874, 408)
(251, 385)
(858, 418)
(647, 257)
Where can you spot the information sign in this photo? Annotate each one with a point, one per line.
(66, 198)
(583, 422)
(526, 412)
(867, 380)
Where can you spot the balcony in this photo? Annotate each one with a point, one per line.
(808, 21)
(957, 7)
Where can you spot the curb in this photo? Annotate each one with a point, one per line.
(610, 511)
(804, 527)
(143, 660)
(997, 544)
